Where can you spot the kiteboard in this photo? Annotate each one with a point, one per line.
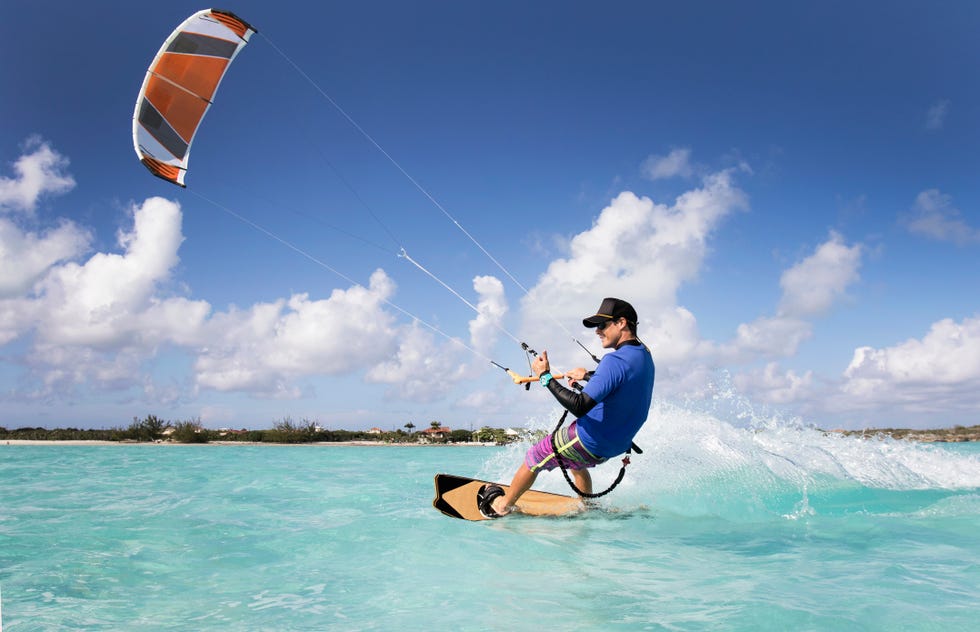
(456, 496)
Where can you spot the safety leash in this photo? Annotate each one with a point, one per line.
(564, 470)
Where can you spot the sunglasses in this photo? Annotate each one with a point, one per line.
(602, 326)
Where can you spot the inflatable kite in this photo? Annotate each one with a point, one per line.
(179, 88)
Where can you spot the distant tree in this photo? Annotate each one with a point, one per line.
(495, 435)
(435, 424)
(410, 426)
(286, 431)
(189, 432)
(148, 429)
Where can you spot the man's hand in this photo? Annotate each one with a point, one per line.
(540, 364)
(575, 375)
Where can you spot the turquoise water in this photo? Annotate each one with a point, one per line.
(715, 527)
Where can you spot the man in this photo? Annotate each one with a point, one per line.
(610, 409)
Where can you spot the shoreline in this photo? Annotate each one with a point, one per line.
(957, 434)
(348, 444)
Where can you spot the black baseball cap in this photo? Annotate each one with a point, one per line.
(611, 309)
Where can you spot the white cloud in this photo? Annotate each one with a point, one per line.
(99, 320)
(947, 357)
(484, 329)
(422, 370)
(16, 318)
(267, 348)
(810, 288)
(262, 349)
(419, 370)
(484, 401)
(934, 216)
(768, 337)
(675, 164)
(813, 285)
(636, 249)
(676, 335)
(100, 302)
(936, 115)
(38, 172)
(772, 386)
(25, 256)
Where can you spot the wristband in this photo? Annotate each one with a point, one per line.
(545, 378)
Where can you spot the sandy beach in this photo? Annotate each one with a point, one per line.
(381, 444)
(39, 442)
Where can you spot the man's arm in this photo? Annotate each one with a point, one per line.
(575, 402)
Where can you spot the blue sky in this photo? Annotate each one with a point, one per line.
(787, 194)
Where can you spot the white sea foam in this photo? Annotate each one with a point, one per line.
(720, 456)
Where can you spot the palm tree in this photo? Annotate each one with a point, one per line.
(410, 427)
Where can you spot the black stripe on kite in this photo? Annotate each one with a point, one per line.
(197, 44)
(158, 127)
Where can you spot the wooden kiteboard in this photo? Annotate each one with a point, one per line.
(456, 497)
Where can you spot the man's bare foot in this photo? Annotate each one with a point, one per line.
(500, 507)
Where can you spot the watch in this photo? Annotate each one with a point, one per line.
(545, 378)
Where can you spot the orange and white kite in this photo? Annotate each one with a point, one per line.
(179, 88)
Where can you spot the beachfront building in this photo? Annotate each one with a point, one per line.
(433, 434)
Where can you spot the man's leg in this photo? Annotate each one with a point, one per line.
(522, 482)
(583, 480)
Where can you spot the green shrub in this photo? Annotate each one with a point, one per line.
(189, 432)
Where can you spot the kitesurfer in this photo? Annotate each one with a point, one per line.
(609, 410)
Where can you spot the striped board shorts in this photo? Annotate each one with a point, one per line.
(573, 454)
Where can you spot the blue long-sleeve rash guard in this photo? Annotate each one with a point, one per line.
(622, 388)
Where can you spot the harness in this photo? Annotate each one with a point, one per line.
(554, 446)
(564, 470)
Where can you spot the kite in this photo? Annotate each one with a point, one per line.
(180, 86)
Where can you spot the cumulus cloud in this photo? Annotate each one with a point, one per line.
(100, 302)
(98, 320)
(263, 348)
(636, 249)
(814, 284)
(102, 319)
(809, 289)
(424, 369)
(16, 316)
(767, 336)
(419, 370)
(771, 385)
(26, 256)
(646, 252)
(492, 306)
(937, 370)
(936, 115)
(40, 171)
(675, 164)
(934, 216)
(484, 401)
